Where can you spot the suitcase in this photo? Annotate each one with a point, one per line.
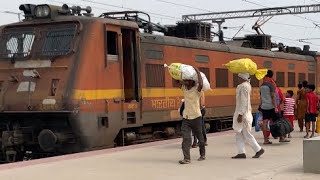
(280, 127)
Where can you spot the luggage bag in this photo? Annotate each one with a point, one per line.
(280, 127)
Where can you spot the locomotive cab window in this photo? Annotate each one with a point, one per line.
(58, 41)
(16, 43)
(112, 43)
(38, 42)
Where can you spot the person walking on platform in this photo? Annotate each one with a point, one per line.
(268, 105)
(242, 119)
(192, 117)
(296, 101)
(312, 108)
(302, 104)
(288, 109)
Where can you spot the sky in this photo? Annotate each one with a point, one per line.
(288, 29)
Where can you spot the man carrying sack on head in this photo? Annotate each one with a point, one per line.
(192, 117)
(242, 119)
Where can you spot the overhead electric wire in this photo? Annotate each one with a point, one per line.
(310, 39)
(122, 7)
(95, 7)
(293, 25)
(105, 9)
(182, 5)
(255, 3)
(251, 2)
(315, 1)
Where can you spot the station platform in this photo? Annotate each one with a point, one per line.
(159, 160)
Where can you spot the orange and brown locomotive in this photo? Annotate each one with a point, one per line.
(71, 82)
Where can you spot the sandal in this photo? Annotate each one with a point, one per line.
(258, 154)
(268, 142)
(185, 161)
(239, 156)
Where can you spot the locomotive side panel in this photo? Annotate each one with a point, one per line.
(165, 100)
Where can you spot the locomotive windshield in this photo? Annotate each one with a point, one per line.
(37, 42)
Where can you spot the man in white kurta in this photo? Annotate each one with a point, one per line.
(242, 119)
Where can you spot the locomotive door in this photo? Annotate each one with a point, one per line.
(130, 65)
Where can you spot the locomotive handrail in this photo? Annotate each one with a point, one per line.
(125, 13)
(134, 16)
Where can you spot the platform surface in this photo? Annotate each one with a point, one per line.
(159, 161)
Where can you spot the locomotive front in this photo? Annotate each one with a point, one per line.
(37, 65)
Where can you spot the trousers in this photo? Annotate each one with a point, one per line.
(204, 133)
(194, 125)
(246, 137)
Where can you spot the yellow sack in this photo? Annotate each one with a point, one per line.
(246, 65)
(318, 125)
(179, 71)
(175, 70)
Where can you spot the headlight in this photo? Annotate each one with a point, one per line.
(42, 11)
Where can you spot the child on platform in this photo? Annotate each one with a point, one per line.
(288, 108)
(312, 100)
